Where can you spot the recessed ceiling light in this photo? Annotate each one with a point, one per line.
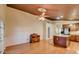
(77, 52)
(71, 25)
(59, 17)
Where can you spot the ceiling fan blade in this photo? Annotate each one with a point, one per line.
(46, 16)
(43, 14)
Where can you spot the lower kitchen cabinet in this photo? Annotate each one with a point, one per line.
(74, 38)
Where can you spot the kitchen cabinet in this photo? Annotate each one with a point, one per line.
(74, 38)
(74, 27)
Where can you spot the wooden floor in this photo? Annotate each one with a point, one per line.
(42, 47)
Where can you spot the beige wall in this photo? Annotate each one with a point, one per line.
(2, 11)
(19, 25)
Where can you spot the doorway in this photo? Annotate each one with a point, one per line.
(49, 31)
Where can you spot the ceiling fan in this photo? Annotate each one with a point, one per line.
(43, 12)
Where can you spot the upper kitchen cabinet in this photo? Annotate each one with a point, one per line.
(73, 27)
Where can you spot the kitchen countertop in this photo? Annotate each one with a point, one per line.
(74, 34)
(62, 35)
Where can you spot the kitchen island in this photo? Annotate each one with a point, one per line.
(61, 40)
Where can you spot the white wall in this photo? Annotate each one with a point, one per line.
(19, 25)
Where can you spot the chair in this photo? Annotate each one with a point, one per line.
(34, 38)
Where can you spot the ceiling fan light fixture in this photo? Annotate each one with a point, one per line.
(42, 10)
(42, 18)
